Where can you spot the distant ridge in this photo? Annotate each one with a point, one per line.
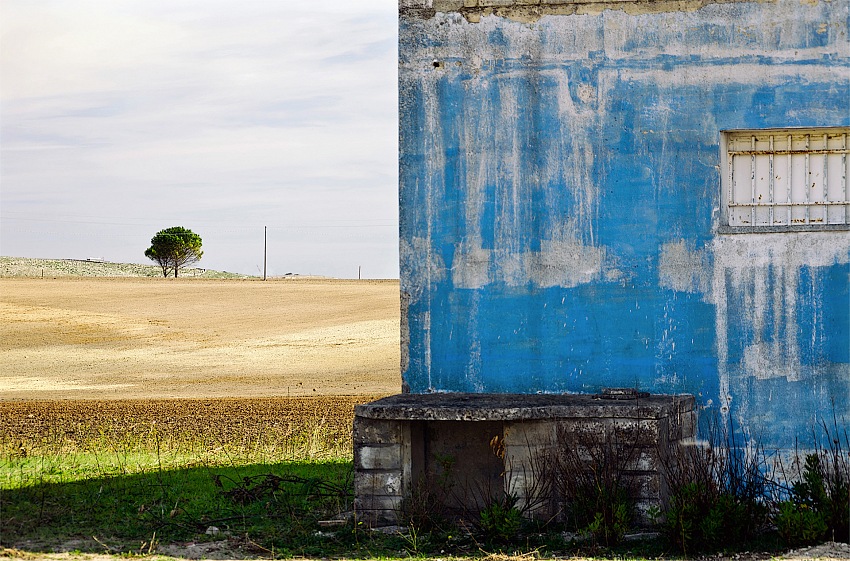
(29, 267)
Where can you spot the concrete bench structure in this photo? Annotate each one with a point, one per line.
(467, 449)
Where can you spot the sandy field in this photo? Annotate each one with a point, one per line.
(154, 338)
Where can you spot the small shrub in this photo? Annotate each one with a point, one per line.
(501, 521)
(798, 524)
(834, 470)
(684, 513)
(819, 503)
(609, 523)
(731, 520)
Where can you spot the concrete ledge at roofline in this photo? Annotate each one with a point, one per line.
(457, 5)
(516, 407)
(532, 10)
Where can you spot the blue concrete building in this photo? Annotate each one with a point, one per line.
(644, 194)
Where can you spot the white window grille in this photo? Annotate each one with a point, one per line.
(789, 179)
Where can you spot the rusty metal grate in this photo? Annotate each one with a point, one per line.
(786, 178)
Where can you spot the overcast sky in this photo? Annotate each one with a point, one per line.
(119, 118)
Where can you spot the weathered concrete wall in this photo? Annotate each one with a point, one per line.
(560, 204)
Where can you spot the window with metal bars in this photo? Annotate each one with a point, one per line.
(785, 180)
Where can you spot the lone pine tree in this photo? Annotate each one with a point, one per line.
(174, 248)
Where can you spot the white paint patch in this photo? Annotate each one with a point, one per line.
(510, 267)
(565, 264)
(748, 27)
(768, 360)
(471, 267)
(685, 270)
(736, 73)
(790, 250)
(559, 263)
(424, 265)
(615, 275)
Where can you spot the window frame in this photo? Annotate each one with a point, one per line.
(727, 180)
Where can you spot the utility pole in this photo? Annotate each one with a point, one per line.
(265, 248)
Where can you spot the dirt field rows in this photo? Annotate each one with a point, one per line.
(114, 338)
(73, 424)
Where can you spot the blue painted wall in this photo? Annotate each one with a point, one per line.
(560, 207)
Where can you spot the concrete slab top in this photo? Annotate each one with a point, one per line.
(515, 407)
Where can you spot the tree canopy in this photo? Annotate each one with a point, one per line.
(174, 248)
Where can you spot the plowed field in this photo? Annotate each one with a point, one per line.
(154, 338)
(73, 424)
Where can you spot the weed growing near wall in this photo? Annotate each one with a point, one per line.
(818, 504)
(720, 493)
(590, 478)
(724, 496)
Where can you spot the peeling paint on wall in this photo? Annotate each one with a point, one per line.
(558, 263)
(684, 270)
(424, 266)
(531, 11)
(759, 319)
(753, 282)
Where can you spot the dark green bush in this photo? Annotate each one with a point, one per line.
(698, 518)
(684, 512)
(798, 524)
(725, 495)
(611, 518)
(819, 505)
(719, 493)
